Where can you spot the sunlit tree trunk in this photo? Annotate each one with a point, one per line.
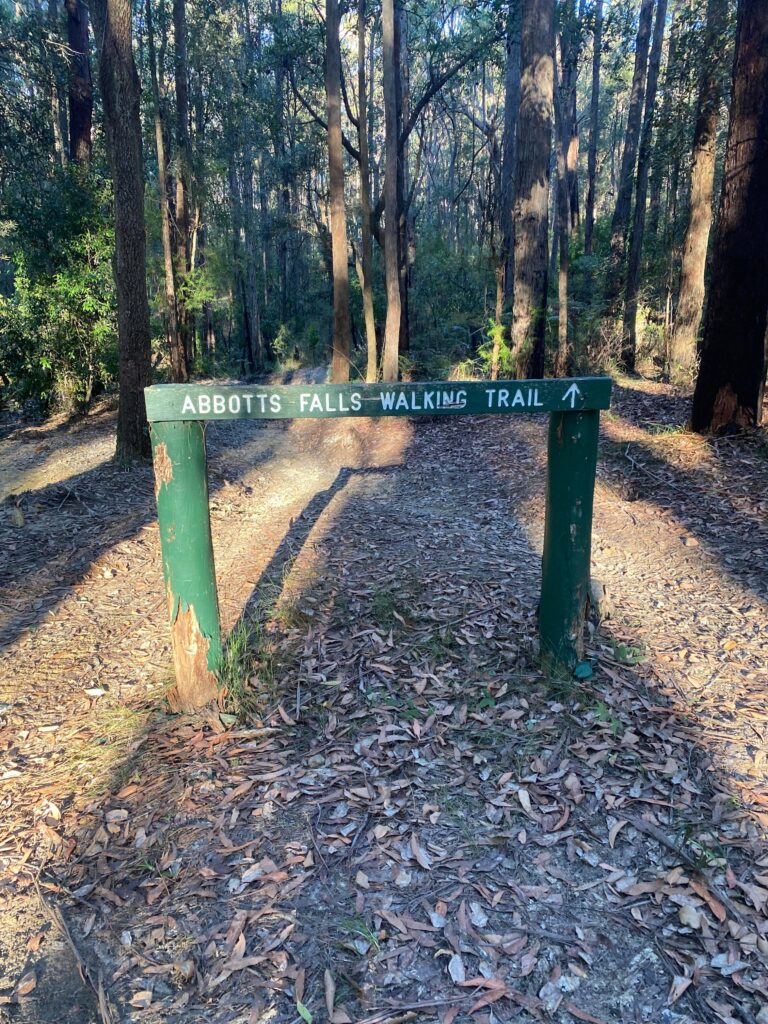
(120, 92)
(391, 365)
(176, 351)
(690, 303)
(729, 388)
(341, 322)
(531, 205)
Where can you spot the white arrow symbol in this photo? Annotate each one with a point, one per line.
(573, 393)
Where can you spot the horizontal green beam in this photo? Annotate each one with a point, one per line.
(438, 398)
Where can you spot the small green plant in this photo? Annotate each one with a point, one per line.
(603, 713)
(628, 654)
(357, 926)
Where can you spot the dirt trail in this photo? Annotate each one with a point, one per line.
(415, 808)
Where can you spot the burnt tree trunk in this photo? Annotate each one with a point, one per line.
(120, 93)
(80, 83)
(531, 205)
(183, 170)
(729, 388)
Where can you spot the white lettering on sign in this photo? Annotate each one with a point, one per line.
(221, 405)
(414, 401)
(498, 398)
(327, 403)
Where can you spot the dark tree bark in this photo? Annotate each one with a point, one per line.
(366, 260)
(391, 365)
(623, 209)
(183, 168)
(660, 162)
(690, 303)
(341, 322)
(629, 344)
(729, 388)
(594, 128)
(120, 93)
(531, 206)
(80, 84)
(509, 148)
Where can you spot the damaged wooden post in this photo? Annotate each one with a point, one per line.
(181, 489)
(571, 465)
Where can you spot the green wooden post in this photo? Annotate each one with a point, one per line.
(572, 460)
(181, 489)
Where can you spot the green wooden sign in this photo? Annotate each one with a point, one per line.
(438, 398)
(177, 413)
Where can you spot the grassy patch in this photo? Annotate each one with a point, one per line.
(109, 758)
(247, 676)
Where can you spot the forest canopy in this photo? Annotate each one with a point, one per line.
(416, 190)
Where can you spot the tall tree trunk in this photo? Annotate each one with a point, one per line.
(594, 128)
(251, 312)
(690, 303)
(562, 141)
(183, 167)
(659, 164)
(120, 93)
(531, 206)
(80, 84)
(402, 84)
(341, 322)
(623, 209)
(53, 90)
(176, 351)
(390, 370)
(729, 388)
(629, 345)
(283, 194)
(366, 256)
(509, 146)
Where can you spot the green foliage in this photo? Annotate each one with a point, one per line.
(58, 331)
